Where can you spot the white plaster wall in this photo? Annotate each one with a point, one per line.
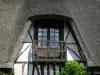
(18, 69)
(70, 39)
(26, 56)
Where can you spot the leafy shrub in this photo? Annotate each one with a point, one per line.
(6, 71)
(73, 68)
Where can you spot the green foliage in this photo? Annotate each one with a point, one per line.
(5, 71)
(2, 73)
(73, 68)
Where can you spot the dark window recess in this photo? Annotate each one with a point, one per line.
(48, 32)
(49, 39)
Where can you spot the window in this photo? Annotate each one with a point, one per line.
(45, 35)
(42, 37)
(54, 36)
(47, 32)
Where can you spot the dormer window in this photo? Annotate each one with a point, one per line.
(49, 43)
(48, 32)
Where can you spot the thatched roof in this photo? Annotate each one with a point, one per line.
(13, 19)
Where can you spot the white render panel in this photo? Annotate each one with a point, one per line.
(74, 48)
(18, 69)
(71, 55)
(70, 39)
(26, 56)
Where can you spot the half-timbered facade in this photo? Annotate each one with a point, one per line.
(48, 44)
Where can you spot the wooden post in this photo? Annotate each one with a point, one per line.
(48, 72)
(59, 68)
(42, 69)
(33, 69)
(37, 69)
(54, 69)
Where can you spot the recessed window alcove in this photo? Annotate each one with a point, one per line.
(50, 42)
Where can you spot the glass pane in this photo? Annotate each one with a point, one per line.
(44, 30)
(39, 33)
(44, 33)
(52, 43)
(45, 38)
(40, 29)
(44, 43)
(56, 34)
(51, 29)
(56, 38)
(51, 34)
(56, 44)
(52, 38)
(40, 38)
(39, 43)
(56, 30)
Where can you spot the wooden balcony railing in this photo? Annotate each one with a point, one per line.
(49, 52)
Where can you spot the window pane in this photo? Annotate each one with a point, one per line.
(56, 44)
(39, 43)
(44, 33)
(51, 30)
(52, 43)
(40, 38)
(40, 29)
(56, 30)
(44, 43)
(56, 38)
(44, 38)
(56, 34)
(52, 38)
(51, 34)
(39, 33)
(44, 30)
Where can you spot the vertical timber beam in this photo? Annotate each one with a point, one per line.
(48, 72)
(59, 68)
(54, 69)
(37, 69)
(33, 69)
(42, 69)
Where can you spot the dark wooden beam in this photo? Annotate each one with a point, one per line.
(37, 69)
(74, 52)
(48, 72)
(33, 69)
(59, 68)
(54, 69)
(42, 69)
(30, 35)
